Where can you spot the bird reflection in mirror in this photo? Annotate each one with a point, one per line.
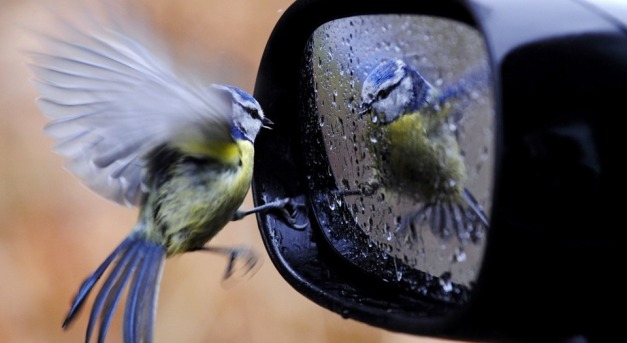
(415, 151)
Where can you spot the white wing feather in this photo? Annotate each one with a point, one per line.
(111, 101)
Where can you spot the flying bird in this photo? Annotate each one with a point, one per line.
(143, 132)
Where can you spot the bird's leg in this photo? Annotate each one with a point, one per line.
(293, 211)
(243, 253)
(365, 189)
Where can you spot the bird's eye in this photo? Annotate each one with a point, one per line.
(253, 112)
(384, 93)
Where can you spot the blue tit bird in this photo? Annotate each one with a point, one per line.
(414, 152)
(141, 134)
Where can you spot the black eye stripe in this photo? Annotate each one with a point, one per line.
(253, 112)
(385, 92)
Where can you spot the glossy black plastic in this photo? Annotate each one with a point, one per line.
(555, 250)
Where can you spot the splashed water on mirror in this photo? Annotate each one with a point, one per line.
(381, 169)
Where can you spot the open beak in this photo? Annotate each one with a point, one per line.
(266, 123)
(365, 106)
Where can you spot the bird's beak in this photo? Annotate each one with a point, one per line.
(365, 106)
(266, 123)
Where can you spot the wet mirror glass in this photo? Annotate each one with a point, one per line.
(403, 105)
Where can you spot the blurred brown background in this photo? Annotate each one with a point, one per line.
(54, 232)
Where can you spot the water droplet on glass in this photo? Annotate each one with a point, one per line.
(343, 54)
(445, 282)
(460, 255)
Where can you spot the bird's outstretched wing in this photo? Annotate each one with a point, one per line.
(112, 96)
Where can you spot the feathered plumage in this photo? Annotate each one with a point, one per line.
(140, 134)
(415, 154)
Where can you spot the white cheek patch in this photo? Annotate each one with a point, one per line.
(396, 103)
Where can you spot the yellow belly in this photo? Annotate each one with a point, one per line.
(194, 206)
(423, 163)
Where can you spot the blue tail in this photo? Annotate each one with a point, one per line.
(136, 260)
(465, 220)
(476, 208)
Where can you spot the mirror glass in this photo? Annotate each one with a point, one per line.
(405, 110)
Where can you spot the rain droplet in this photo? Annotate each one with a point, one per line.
(445, 282)
(459, 256)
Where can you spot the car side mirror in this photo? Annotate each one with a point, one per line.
(487, 213)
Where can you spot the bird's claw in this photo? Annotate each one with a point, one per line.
(369, 188)
(243, 253)
(293, 211)
(365, 189)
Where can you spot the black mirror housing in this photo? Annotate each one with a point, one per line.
(554, 251)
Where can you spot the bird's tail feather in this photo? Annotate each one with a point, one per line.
(136, 260)
(476, 208)
(467, 221)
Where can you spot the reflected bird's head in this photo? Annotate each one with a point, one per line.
(393, 89)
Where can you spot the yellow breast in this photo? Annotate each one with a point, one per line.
(201, 197)
(420, 159)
